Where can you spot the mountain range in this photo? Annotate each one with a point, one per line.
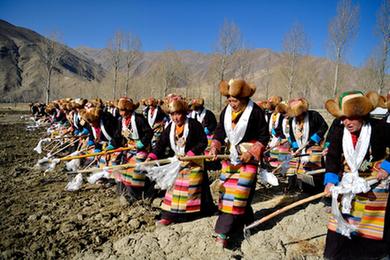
(88, 72)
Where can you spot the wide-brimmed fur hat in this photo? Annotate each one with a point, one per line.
(177, 105)
(237, 88)
(262, 104)
(297, 107)
(384, 102)
(78, 103)
(91, 113)
(127, 104)
(352, 103)
(273, 101)
(281, 108)
(151, 102)
(197, 103)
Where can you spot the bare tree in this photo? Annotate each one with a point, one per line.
(295, 44)
(342, 29)
(171, 71)
(229, 42)
(383, 27)
(309, 76)
(51, 54)
(244, 69)
(115, 49)
(133, 55)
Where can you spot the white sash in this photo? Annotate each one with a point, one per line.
(305, 137)
(76, 119)
(235, 135)
(351, 184)
(179, 150)
(134, 131)
(285, 127)
(152, 119)
(108, 137)
(198, 116)
(273, 125)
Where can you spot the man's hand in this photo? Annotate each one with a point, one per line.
(327, 189)
(213, 152)
(382, 174)
(245, 157)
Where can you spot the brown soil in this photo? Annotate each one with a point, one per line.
(39, 219)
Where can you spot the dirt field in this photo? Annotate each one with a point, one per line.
(39, 219)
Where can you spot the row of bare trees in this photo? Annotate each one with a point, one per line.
(233, 59)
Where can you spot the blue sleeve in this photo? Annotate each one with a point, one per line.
(84, 132)
(316, 138)
(90, 143)
(331, 177)
(385, 165)
(294, 145)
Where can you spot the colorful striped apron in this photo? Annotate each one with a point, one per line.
(236, 184)
(185, 194)
(368, 211)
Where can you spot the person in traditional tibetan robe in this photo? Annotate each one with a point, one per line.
(242, 124)
(307, 131)
(357, 170)
(156, 118)
(205, 116)
(189, 196)
(137, 134)
(104, 132)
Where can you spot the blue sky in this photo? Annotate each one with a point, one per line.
(190, 25)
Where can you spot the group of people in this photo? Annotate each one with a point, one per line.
(269, 133)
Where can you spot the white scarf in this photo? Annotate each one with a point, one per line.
(198, 116)
(305, 137)
(108, 137)
(285, 127)
(273, 125)
(76, 119)
(351, 184)
(152, 119)
(179, 150)
(134, 131)
(235, 135)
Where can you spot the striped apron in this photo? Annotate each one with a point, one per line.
(185, 194)
(368, 211)
(236, 183)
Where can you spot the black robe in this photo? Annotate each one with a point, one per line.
(338, 246)
(145, 133)
(161, 116)
(257, 128)
(196, 140)
(111, 126)
(317, 127)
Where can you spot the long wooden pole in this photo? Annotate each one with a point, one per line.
(154, 162)
(284, 209)
(68, 158)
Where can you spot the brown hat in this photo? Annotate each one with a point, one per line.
(281, 108)
(262, 104)
(384, 102)
(151, 102)
(273, 101)
(177, 105)
(352, 103)
(78, 103)
(196, 103)
(127, 104)
(237, 88)
(297, 107)
(91, 113)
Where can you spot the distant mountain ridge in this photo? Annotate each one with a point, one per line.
(22, 70)
(87, 72)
